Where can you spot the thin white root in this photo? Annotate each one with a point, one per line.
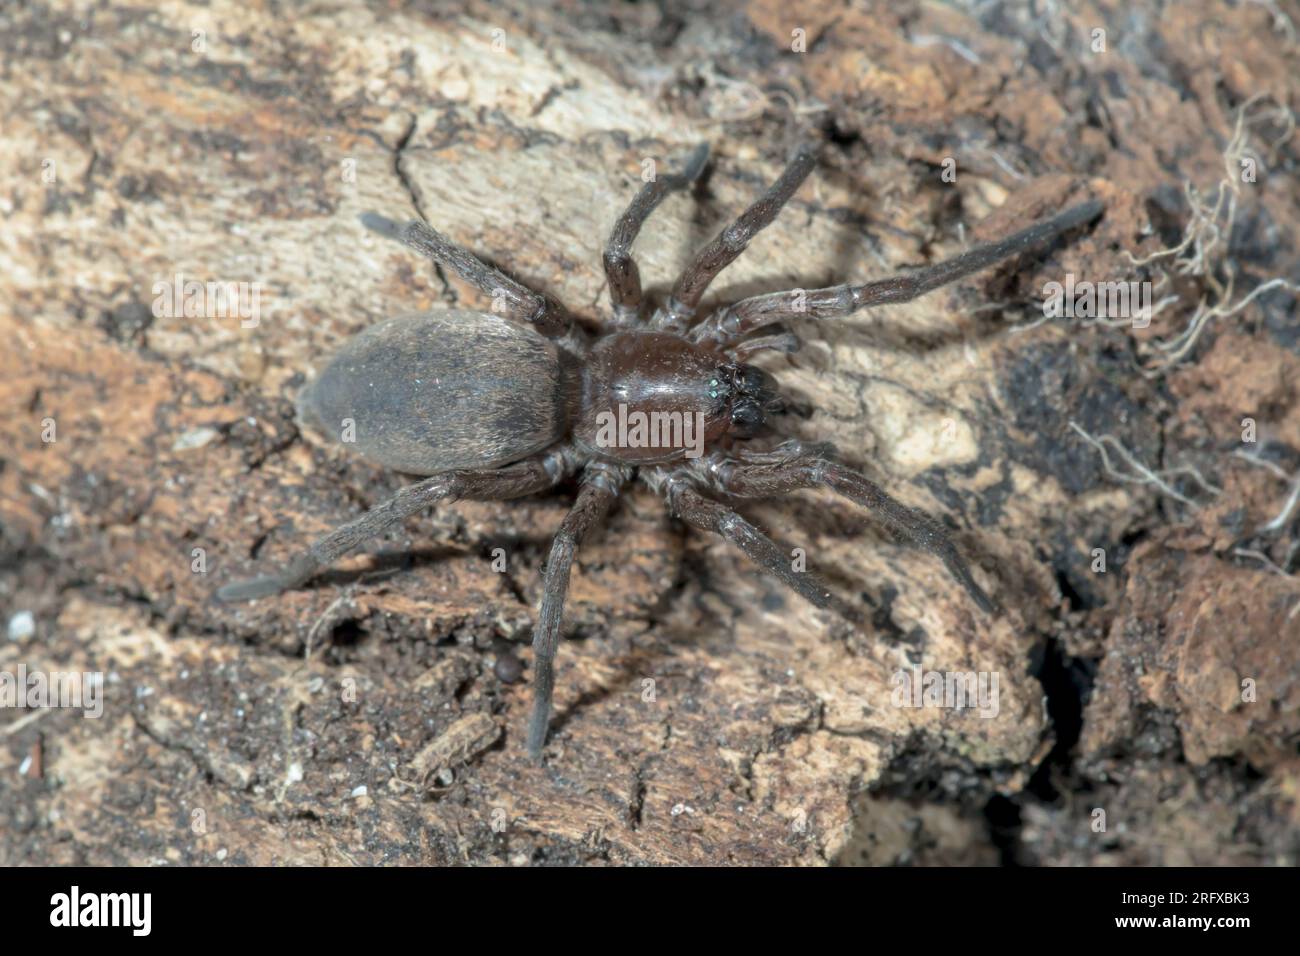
(1261, 557)
(1284, 516)
(1272, 466)
(1202, 250)
(1183, 343)
(1142, 475)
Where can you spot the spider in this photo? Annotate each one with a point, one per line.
(502, 404)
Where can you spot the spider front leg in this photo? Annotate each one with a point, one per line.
(620, 268)
(709, 515)
(786, 342)
(514, 481)
(729, 325)
(810, 469)
(730, 243)
(600, 486)
(542, 312)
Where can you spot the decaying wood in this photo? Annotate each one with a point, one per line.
(703, 715)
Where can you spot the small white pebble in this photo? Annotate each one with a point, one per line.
(222, 853)
(194, 438)
(22, 626)
(360, 791)
(294, 773)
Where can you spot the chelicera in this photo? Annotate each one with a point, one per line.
(512, 402)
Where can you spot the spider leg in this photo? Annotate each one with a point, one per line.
(520, 302)
(513, 481)
(786, 342)
(787, 451)
(808, 468)
(729, 324)
(709, 515)
(730, 243)
(620, 268)
(600, 486)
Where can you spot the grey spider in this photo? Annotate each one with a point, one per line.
(498, 405)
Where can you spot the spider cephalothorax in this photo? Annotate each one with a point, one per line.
(495, 406)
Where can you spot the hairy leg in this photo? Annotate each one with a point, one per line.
(801, 469)
(709, 515)
(620, 268)
(513, 481)
(729, 324)
(730, 243)
(600, 486)
(544, 313)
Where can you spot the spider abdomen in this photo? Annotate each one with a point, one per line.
(437, 391)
